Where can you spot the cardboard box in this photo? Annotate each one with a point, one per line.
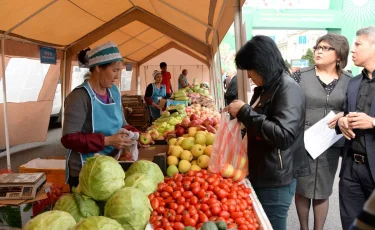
(53, 168)
(156, 154)
(14, 214)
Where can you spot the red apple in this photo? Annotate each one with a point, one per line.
(155, 135)
(167, 133)
(194, 123)
(214, 121)
(201, 128)
(145, 138)
(185, 123)
(180, 131)
(194, 117)
(207, 122)
(211, 129)
(200, 122)
(177, 126)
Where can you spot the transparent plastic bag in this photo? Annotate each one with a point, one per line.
(229, 152)
(130, 152)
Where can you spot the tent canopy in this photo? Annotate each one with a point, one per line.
(139, 27)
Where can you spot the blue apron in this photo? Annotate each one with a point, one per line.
(185, 80)
(157, 94)
(106, 119)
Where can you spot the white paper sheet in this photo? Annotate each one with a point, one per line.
(320, 137)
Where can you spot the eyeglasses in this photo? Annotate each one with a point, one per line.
(324, 48)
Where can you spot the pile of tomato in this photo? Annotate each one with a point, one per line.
(55, 193)
(198, 196)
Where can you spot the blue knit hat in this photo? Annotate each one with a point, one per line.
(104, 54)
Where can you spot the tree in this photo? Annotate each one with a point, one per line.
(309, 56)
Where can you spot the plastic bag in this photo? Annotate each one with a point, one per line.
(130, 152)
(229, 152)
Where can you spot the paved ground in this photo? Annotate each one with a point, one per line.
(52, 147)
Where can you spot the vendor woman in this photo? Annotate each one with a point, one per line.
(93, 111)
(154, 92)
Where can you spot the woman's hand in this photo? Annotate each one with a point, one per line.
(333, 121)
(234, 107)
(156, 105)
(118, 140)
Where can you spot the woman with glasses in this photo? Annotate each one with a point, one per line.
(324, 86)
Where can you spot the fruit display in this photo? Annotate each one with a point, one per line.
(191, 152)
(203, 100)
(197, 199)
(164, 125)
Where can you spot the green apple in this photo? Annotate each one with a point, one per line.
(176, 151)
(197, 150)
(171, 170)
(203, 161)
(187, 143)
(210, 138)
(200, 139)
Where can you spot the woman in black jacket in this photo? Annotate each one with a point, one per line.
(274, 121)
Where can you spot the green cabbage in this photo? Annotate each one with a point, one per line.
(150, 169)
(86, 205)
(52, 220)
(98, 223)
(130, 207)
(142, 182)
(68, 204)
(100, 177)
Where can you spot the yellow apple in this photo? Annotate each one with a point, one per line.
(243, 162)
(194, 162)
(184, 166)
(179, 140)
(172, 141)
(172, 160)
(227, 170)
(195, 168)
(210, 138)
(170, 149)
(203, 161)
(197, 150)
(192, 131)
(186, 155)
(208, 150)
(200, 139)
(176, 151)
(187, 143)
(239, 175)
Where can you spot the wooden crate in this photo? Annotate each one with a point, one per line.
(139, 116)
(54, 170)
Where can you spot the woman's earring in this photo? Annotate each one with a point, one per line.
(337, 63)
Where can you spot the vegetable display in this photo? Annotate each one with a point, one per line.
(100, 177)
(148, 168)
(51, 220)
(142, 182)
(196, 197)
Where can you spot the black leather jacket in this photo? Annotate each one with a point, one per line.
(275, 130)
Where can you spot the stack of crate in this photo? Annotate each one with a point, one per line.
(139, 117)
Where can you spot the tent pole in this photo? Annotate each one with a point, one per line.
(5, 104)
(63, 94)
(222, 104)
(237, 33)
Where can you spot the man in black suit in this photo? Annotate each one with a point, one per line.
(357, 125)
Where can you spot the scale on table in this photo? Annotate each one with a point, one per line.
(20, 186)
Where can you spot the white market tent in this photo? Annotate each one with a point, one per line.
(143, 29)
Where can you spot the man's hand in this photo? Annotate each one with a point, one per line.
(333, 121)
(344, 127)
(360, 121)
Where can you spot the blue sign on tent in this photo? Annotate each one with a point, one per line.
(47, 55)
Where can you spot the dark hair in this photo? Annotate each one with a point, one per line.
(341, 46)
(82, 57)
(163, 64)
(184, 71)
(262, 55)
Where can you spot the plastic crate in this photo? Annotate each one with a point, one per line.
(173, 102)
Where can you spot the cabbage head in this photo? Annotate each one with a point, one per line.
(100, 177)
(51, 220)
(148, 168)
(130, 207)
(142, 182)
(68, 204)
(98, 223)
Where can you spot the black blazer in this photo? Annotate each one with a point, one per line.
(350, 106)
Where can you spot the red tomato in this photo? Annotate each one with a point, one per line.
(192, 173)
(178, 218)
(236, 215)
(196, 190)
(199, 225)
(195, 184)
(240, 221)
(187, 194)
(173, 206)
(243, 227)
(187, 205)
(232, 225)
(185, 215)
(205, 207)
(160, 210)
(161, 186)
(192, 210)
(176, 194)
(210, 188)
(169, 228)
(210, 180)
(172, 184)
(165, 195)
(180, 209)
(154, 204)
(181, 200)
(224, 214)
(169, 200)
(151, 196)
(202, 217)
(178, 226)
(164, 220)
(222, 193)
(204, 185)
(216, 210)
(168, 189)
(194, 200)
(208, 213)
(221, 218)
(213, 218)
(154, 213)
